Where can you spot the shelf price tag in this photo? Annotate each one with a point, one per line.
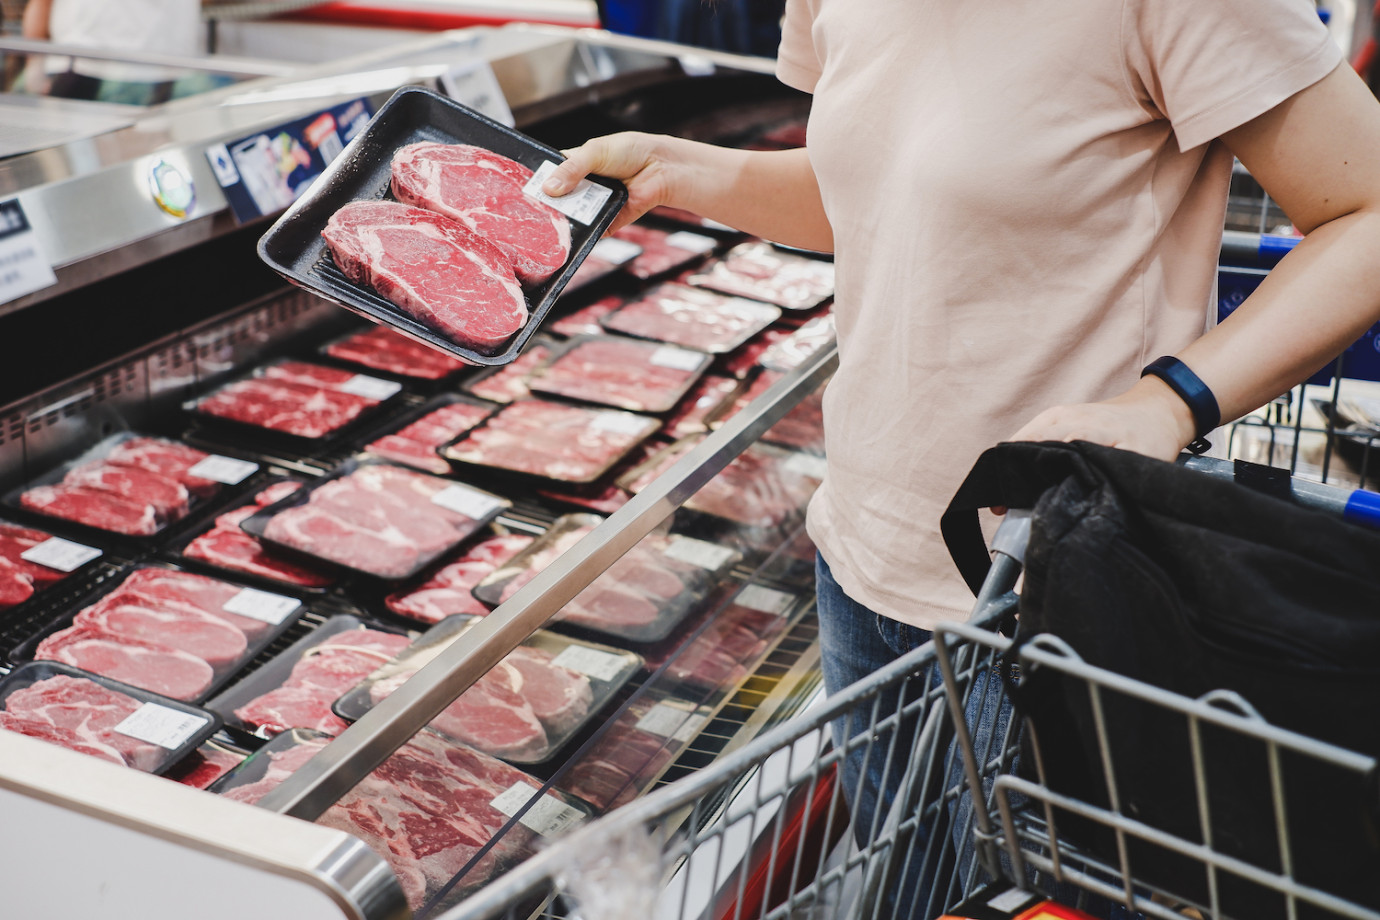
(23, 266)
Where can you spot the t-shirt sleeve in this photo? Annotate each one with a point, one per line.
(798, 64)
(1211, 67)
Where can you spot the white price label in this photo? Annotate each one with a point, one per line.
(228, 470)
(549, 817)
(24, 268)
(619, 423)
(472, 503)
(370, 387)
(614, 250)
(699, 553)
(690, 728)
(681, 359)
(473, 84)
(582, 204)
(262, 605)
(807, 465)
(1010, 901)
(691, 242)
(160, 725)
(591, 662)
(662, 720)
(60, 554)
(766, 600)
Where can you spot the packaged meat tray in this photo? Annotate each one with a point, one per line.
(701, 406)
(585, 320)
(383, 520)
(389, 230)
(448, 589)
(640, 598)
(225, 547)
(297, 688)
(621, 372)
(741, 363)
(103, 718)
(509, 383)
(296, 403)
(170, 631)
(435, 811)
(525, 708)
(792, 351)
(763, 487)
(131, 485)
(33, 560)
(379, 348)
(559, 441)
(416, 436)
(664, 251)
(761, 271)
(605, 259)
(679, 314)
(208, 763)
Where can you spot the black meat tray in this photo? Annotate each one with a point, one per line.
(294, 248)
(29, 674)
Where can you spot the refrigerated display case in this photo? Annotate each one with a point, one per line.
(150, 310)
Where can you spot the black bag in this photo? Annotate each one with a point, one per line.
(1193, 583)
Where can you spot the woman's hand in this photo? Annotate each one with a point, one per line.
(1149, 419)
(639, 161)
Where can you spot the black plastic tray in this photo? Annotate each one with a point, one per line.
(255, 767)
(190, 736)
(656, 402)
(294, 248)
(398, 422)
(759, 316)
(531, 355)
(322, 353)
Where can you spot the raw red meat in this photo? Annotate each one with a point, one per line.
(285, 405)
(555, 440)
(15, 541)
(705, 399)
(309, 375)
(793, 351)
(187, 591)
(559, 697)
(204, 766)
(448, 591)
(378, 519)
(16, 585)
(610, 607)
(103, 510)
(662, 251)
(281, 765)
(431, 267)
(292, 706)
(725, 651)
(763, 272)
(585, 321)
(509, 383)
(149, 665)
(209, 638)
(383, 349)
(167, 458)
(483, 190)
(558, 540)
(168, 497)
(226, 546)
(625, 373)
(742, 361)
(89, 712)
(47, 731)
(624, 761)
(415, 445)
(693, 317)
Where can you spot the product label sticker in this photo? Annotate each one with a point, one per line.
(662, 720)
(24, 267)
(549, 817)
(698, 552)
(262, 605)
(371, 387)
(62, 555)
(690, 728)
(471, 503)
(807, 465)
(619, 423)
(219, 468)
(681, 359)
(691, 242)
(616, 251)
(1008, 901)
(474, 84)
(581, 205)
(591, 662)
(764, 599)
(160, 725)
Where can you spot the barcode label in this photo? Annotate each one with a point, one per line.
(549, 817)
(680, 359)
(699, 553)
(614, 250)
(370, 387)
(619, 423)
(160, 725)
(691, 242)
(471, 503)
(765, 600)
(62, 555)
(591, 662)
(581, 204)
(228, 470)
(262, 605)
(807, 465)
(662, 720)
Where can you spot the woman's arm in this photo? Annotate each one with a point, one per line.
(1318, 155)
(771, 194)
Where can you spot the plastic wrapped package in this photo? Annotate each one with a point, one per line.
(621, 372)
(21, 577)
(664, 251)
(792, 351)
(585, 321)
(205, 765)
(509, 383)
(447, 590)
(692, 317)
(439, 421)
(381, 349)
(720, 652)
(761, 271)
(701, 406)
(298, 399)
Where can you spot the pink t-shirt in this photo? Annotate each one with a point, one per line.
(1027, 204)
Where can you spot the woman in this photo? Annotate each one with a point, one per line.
(1025, 203)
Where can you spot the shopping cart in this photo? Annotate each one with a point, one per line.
(762, 832)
